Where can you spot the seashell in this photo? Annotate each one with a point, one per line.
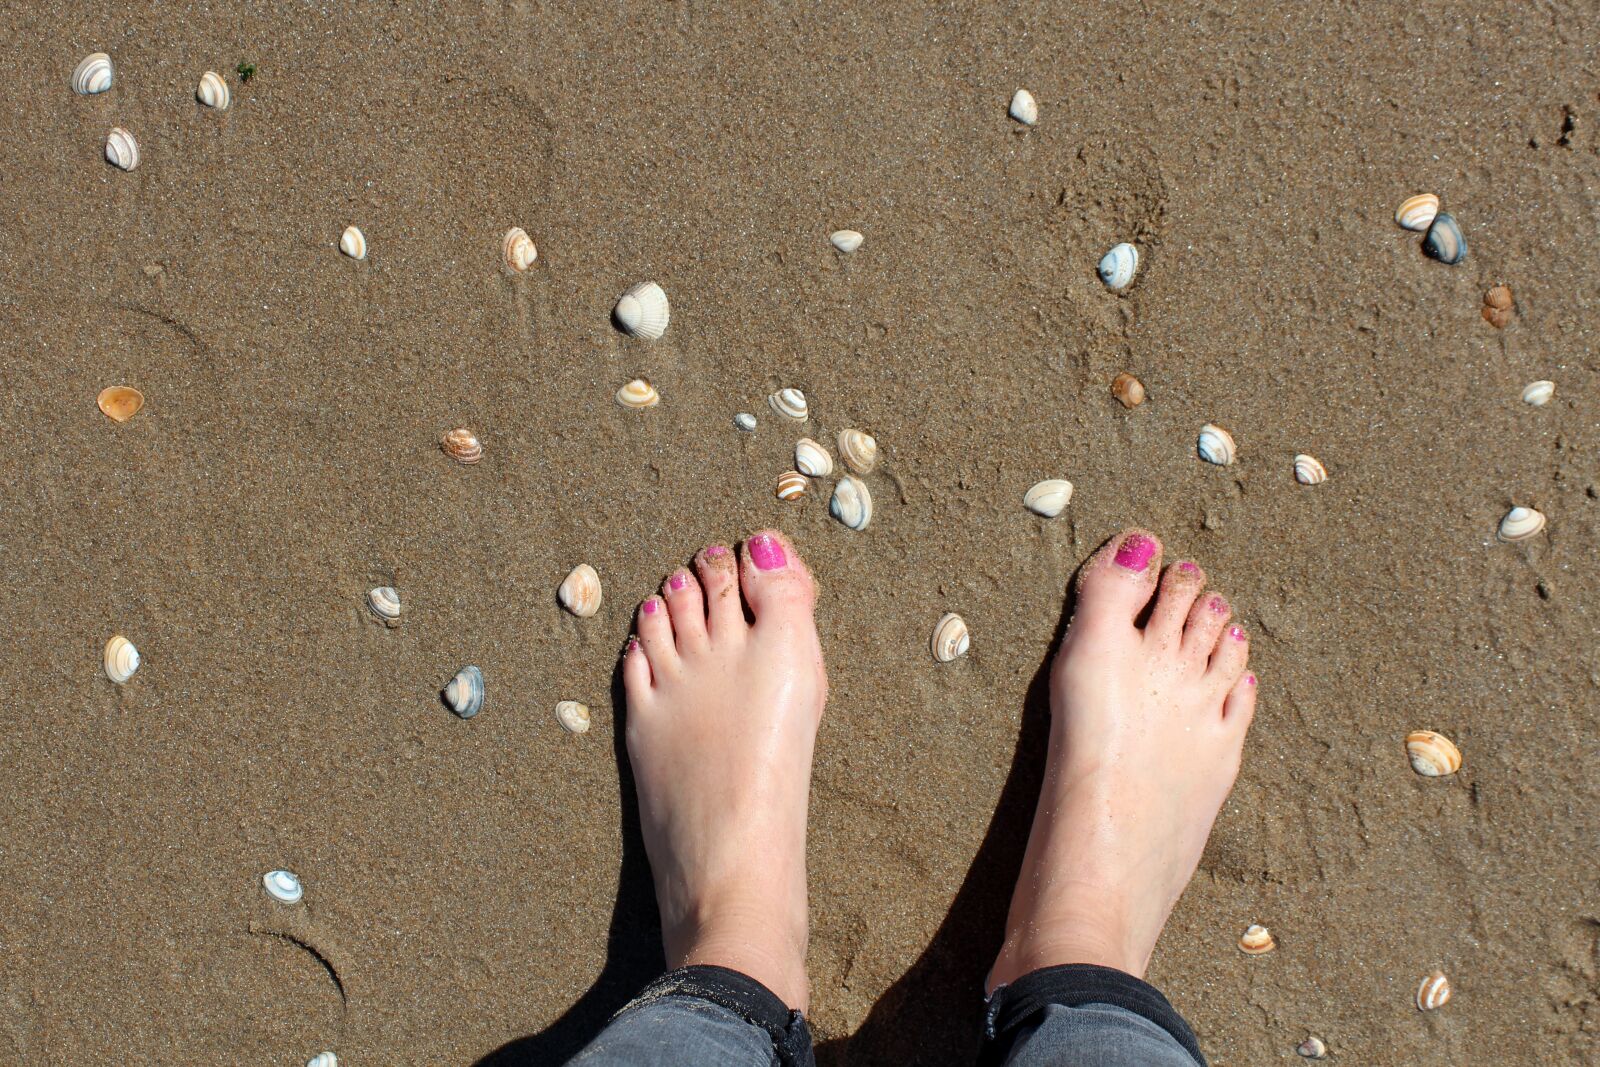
(1117, 266)
(1497, 306)
(1520, 524)
(1256, 940)
(353, 243)
(462, 445)
(1128, 390)
(1216, 445)
(464, 693)
(812, 459)
(283, 886)
(791, 404)
(1417, 212)
(384, 602)
(573, 716)
(1048, 498)
(792, 485)
(745, 421)
(323, 1059)
(121, 659)
(580, 591)
(643, 312)
(120, 402)
(846, 241)
(93, 75)
(121, 149)
(851, 503)
(1432, 755)
(859, 450)
(1496, 317)
(1308, 470)
(1434, 992)
(213, 91)
(1312, 1048)
(1444, 240)
(638, 394)
(1538, 393)
(950, 639)
(1024, 108)
(519, 249)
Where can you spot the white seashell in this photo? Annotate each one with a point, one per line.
(121, 149)
(353, 243)
(1118, 265)
(859, 450)
(1538, 393)
(464, 693)
(580, 591)
(573, 716)
(745, 421)
(638, 394)
(519, 249)
(1432, 755)
(643, 311)
(283, 886)
(1308, 470)
(323, 1059)
(846, 241)
(851, 503)
(1048, 498)
(1024, 108)
(121, 659)
(812, 459)
(791, 404)
(1417, 212)
(1216, 445)
(1520, 524)
(213, 91)
(1256, 940)
(792, 485)
(384, 602)
(1312, 1048)
(93, 74)
(950, 639)
(1434, 992)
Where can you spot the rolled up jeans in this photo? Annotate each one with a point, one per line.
(1077, 1014)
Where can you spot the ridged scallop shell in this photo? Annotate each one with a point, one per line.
(643, 311)
(121, 659)
(1497, 306)
(1128, 390)
(213, 91)
(1024, 108)
(638, 394)
(323, 1059)
(120, 402)
(1049, 497)
(464, 692)
(580, 591)
(791, 404)
(745, 421)
(1444, 240)
(121, 149)
(384, 602)
(950, 639)
(859, 450)
(851, 503)
(1538, 393)
(519, 249)
(93, 75)
(1433, 992)
(462, 445)
(792, 485)
(1117, 266)
(1216, 445)
(1432, 755)
(353, 243)
(1417, 212)
(283, 886)
(1312, 1048)
(1256, 940)
(811, 459)
(573, 716)
(1520, 524)
(1308, 470)
(846, 241)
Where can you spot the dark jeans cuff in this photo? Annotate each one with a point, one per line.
(1013, 1007)
(746, 998)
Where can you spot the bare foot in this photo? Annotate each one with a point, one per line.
(1147, 729)
(722, 718)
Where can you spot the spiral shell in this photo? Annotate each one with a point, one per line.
(1433, 992)
(462, 445)
(1538, 393)
(384, 602)
(811, 459)
(1308, 470)
(464, 692)
(846, 241)
(519, 249)
(1117, 266)
(1128, 390)
(1520, 524)
(573, 716)
(120, 402)
(121, 659)
(283, 886)
(851, 503)
(93, 75)
(792, 485)
(323, 1059)
(1256, 940)
(745, 421)
(859, 450)
(791, 404)
(121, 149)
(1444, 240)
(950, 639)
(1024, 108)
(353, 243)
(213, 91)
(1048, 498)
(638, 394)
(1432, 755)
(1216, 445)
(580, 591)
(643, 311)
(1417, 212)
(1312, 1048)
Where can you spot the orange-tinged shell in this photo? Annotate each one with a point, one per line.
(1498, 297)
(1417, 212)
(462, 445)
(792, 485)
(120, 402)
(580, 591)
(1256, 940)
(1434, 992)
(1432, 755)
(519, 249)
(1128, 390)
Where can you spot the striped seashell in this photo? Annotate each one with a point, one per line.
(1312, 1048)
(1128, 390)
(121, 149)
(846, 241)
(638, 394)
(121, 659)
(1444, 240)
(811, 459)
(462, 445)
(1417, 212)
(353, 243)
(580, 591)
(1117, 266)
(792, 485)
(950, 639)
(283, 886)
(1432, 755)
(1520, 524)
(519, 249)
(120, 402)
(1024, 108)
(791, 404)
(851, 503)
(384, 602)
(93, 75)
(323, 1059)
(643, 311)
(1048, 498)
(1433, 992)
(464, 693)
(213, 91)
(573, 716)
(745, 421)
(1538, 393)
(1256, 940)
(1216, 445)
(859, 450)
(1308, 470)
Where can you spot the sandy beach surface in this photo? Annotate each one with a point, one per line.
(475, 891)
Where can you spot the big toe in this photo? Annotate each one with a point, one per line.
(1117, 583)
(776, 583)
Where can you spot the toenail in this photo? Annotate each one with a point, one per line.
(1249, 679)
(1218, 605)
(766, 553)
(715, 551)
(633, 644)
(678, 581)
(650, 606)
(1188, 567)
(1236, 632)
(1134, 553)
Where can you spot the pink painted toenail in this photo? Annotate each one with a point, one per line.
(651, 605)
(1189, 567)
(1218, 605)
(716, 551)
(1134, 553)
(633, 644)
(678, 581)
(766, 553)
(1236, 632)
(1249, 679)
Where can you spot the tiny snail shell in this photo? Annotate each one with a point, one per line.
(518, 249)
(1216, 445)
(792, 485)
(1444, 240)
(791, 404)
(846, 241)
(638, 394)
(1432, 755)
(950, 639)
(121, 149)
(580, 591)
(643, 311)
(1024, 108)
(851, 503)
(283, 886)
(93, 75)
(859, 450)
(120, 402)
(1308, 470)
(462, 445)
(121, 659)
(1256, 940)
(1312, 1048)
(1417, 212)
(1049, 497)
(1434, 992)
(464, 692)
(1128, 390)
(384, 602)
(323, 1059)
(353, 243)
(213, 91)
(1538, 393)
(745, 421)
(1520, 524)
(573, 716)
(811, 459)
(1118, 265)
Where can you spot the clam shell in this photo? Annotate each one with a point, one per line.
(745, 421)
(580, 591)
(384, 602)
(792, 485)
(1432, 755)
(1433, 992)
(1498, 297)
(121, 659)
(1128, 390)
(851, 503)
(1444, 240)
(323, 1059)
(1538, 393)
(573, 716)
(1497, 317)
(859, 450)
(464, 692)
(846, 241)
(1024, 108)
(950, 639)
(519, 249)
(791, 404)
(462, 445)
(1216, 445)
(1118, 266)
(93, 75)
(120, 402)
(638, 394)
(1308, 470)
(1048, 498)
(1417, 212)
(1312, 1048)
(353, 243)
(213, 91)
(811, 459)
(1520, 524)
(643, 312)
(121, 149)
(1256, 940)
(283, 886)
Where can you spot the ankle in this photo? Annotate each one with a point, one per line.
(1093, 929)
(749, 940)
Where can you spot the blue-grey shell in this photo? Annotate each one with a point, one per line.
(464, 694)
(1444, 241)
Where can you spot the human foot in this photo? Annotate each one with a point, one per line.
(722, 717)
(1146, 731)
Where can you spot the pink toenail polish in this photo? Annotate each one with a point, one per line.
(766, 553)
(1189, 568)
(1134, 553)
(633, 644)
(715, 552)
(678, 581)
(1236, 632)
(1218, 605)
(651, 605)
(1249, 679)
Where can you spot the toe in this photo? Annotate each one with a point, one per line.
(635, 673)
(776, 583)
(1116, 584)
(1180, 584)
(1207, 617)
(1240, 707)
(655, 634)
(688, 610)
(719, 584)
(1229, 656)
